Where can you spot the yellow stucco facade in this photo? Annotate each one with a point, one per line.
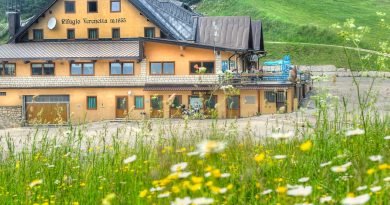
(129, 20)
(132, 25)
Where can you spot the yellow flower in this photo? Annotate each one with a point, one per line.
(107, 200)
(75, 203)
(281, 189)
(370, 171)
(258, 185)
(82, 184)
(216, 173)
(306, 146)
(197, 180)
(259, 157)
(215, 190)
(230, 187)
(175, 189)
(350, 195)
(384, 166)
(208, 168)
(143, 193)
(195, 187)
(209, 183)
(17, 165)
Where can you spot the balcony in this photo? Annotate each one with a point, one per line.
(260, 78)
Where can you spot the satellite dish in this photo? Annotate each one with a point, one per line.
(52, 23)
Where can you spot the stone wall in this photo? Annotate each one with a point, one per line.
(10, 116)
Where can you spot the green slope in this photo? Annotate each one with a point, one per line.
(308, 22)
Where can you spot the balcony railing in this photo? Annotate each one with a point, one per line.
(254, 79)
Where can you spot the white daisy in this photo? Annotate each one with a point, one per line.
(387, 138)
(202, 201)
(210, 146)
(304, 179)
(376, 158)
(281, 136)
(223, 190)
(208, 174)
(361, 188)
(154, 189)
(268, 191)
(225, 175)
(179, 167)
(130, 159)
(362, 199)
(183, 175)
(354, 132)
(342, 168)
(192, 153)
(387, 179)
(326, 164)
(300, 191)
(325, 199)
(182, 201)
(36, 182)
(164, 195)
(375, 189)
(280, 157)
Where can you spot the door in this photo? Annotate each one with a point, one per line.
(209, 106)
(156, 103)
(121, 107)
(233, 107)
(281, 105)
(175, 110)
(48, 109)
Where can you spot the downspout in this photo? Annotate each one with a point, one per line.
(229, 60)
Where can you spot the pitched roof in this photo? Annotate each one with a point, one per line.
(175, 21)
(226, 31)
(87, 50)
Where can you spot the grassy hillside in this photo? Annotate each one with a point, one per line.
(305, 21)
(308, 22)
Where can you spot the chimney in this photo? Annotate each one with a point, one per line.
(13, 22)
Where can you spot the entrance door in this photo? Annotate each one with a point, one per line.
(156, 103)
(209, 106)
(233, 107)
(47, 109)
(121, 107)
(174, 110)
(281, 105)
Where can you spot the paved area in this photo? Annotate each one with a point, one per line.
(260, 126)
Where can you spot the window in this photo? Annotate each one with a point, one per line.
(37, 34)
(116, 33)
(281, 97)
(270, 96)
(71, 34)
(150, 32)
(162, 68)
(3, 94)
(40, 69)
(82, 69)
(115, 5)
(122, 68)
(70, 7)
(91, 103)
(195, 67)
(92, 7)
(139, 102)
(233, 102)
(157, 102)
(7, 69)
(93, 34)
(210, 102)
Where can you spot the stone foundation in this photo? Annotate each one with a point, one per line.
(10, 116)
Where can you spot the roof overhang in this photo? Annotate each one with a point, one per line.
(87, 50)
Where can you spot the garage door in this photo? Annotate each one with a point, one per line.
(47, 109)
